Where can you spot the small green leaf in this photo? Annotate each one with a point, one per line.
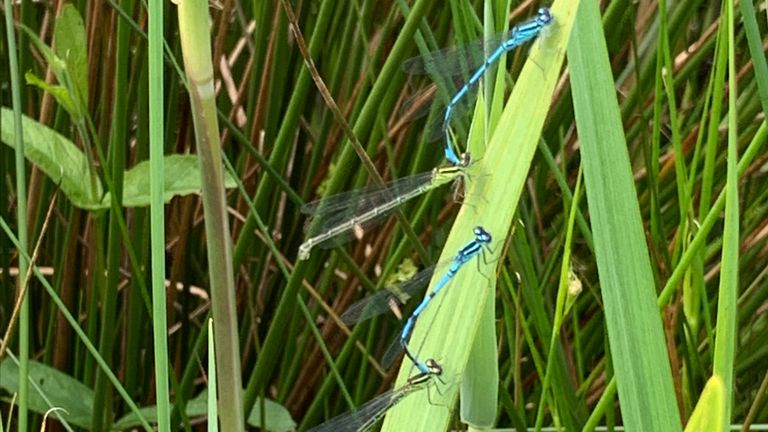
(182, 177)
(69, 45)
(60, 93)
(59, 69)
(66, 165)
(277, 417)
(59, 158)
(404, 272)
(58, 66)
(51, 388)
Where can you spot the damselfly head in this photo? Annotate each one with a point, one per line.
(466, 159)
(434, 367)
(544, 16)
(481, 235)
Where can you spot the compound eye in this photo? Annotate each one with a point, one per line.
(434, 367)
(545, 15)
(466, 159)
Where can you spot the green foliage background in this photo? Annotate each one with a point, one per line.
(613, 295)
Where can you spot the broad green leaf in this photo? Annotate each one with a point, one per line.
(59, 158)
(67, 166)
(51, 388)
(277, 417)
(69, 45)
(181, 178)
(638, 346)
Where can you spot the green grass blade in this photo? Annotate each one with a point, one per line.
(212, 411)
(198, 64)
(21, 215)
(157, 214)
(726, 335)
(481, 375)
(497, 181)
(635, 332)
(754, 39)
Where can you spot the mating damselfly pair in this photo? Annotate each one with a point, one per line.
(340, 217)
(371, 412)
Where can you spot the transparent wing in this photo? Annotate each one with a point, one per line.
(452, 61)
(342, 216)
(444, 71)
(392, 353)
(360, 198)
(457, 60)
(394, 348)
(331, 211)
(357, 230)
(435, 129)
(368, 414)
(383, 301)
(465, 61)
(434, 105)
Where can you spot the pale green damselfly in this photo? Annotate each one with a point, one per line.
(335, 219)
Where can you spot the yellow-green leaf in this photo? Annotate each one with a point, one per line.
(710, 409)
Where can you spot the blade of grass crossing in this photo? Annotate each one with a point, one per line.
(711, 218)
(637, 342)
(481, 376)
(479, 385)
